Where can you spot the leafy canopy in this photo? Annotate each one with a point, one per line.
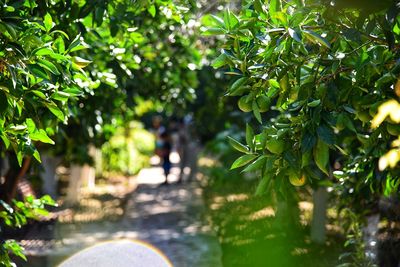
(313, 73)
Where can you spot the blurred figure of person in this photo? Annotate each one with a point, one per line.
(165, 152)
(187, 148)
(182, 147)
(157, 130)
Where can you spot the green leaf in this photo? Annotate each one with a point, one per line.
(17, 129)
(73, 91)
(349, 123)
(220, 61)
(218, 21)
(256, 112)
(36, 155)
(314, 103)
(282, 17)
(43, 51)
(274, 83)
(230, 20)
(274, 7)
(61, 32)
(152, 10)
(295, 35)
(214, 31)
(257, 164)
(42, 212)
(39, 94)
(41, 136)
(19, 157)
(81, 62)
(48, 66)
(316, 38)
(341, 150)
(321, 156)
(326, 134)
(238, 83)
(78, 47)
(385, 79)
(263, 184)
(249, 136)
(238, 146)
(38, 71)
(10, 29)
(46, 199)
(258, 6)
(7, 207)
(13, 76)
(48, 22)
(59, 45)
(55, 110)
(243, 160)
(9, 9)
(30, 124)
(60, 96)
(306, 158)
(5, 140)
(74, 43)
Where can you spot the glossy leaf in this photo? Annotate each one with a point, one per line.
(243, 160)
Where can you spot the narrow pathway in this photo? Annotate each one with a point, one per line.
(171, 217)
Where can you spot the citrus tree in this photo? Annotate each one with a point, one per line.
(313, 73)
(38, 74)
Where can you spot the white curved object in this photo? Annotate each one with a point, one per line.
(123, 253)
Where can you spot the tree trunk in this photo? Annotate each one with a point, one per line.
(74, 185)
(8, 189)
(370, 237)
(88, 176)
(318, 231)
(49, 176)
(192, 154)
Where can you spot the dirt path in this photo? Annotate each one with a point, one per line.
(170, 218)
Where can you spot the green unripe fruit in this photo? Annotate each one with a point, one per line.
(244, 105)
(275, 145)
(263, 103)
(297, 180)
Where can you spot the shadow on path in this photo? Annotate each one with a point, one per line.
(170, 217)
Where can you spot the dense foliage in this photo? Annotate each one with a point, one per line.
(313, 73)
(38, 77)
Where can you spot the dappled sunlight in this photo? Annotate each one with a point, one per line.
(299, 251)
(237, 197)
(306, 208)
(263, 213)
(156, 175)
(207, 162)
